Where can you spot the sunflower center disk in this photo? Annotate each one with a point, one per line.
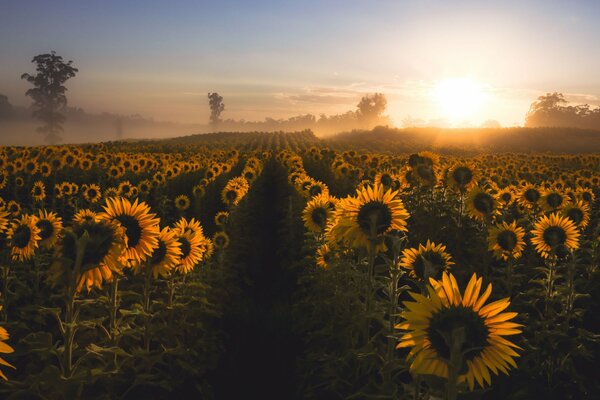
(319, 216)
(446, 320)
(429, 264)
(462, 175)
(159, 254)
(554, 200)
(555, 236)
(507, 240)
(483, 203)
(21, 236)
(46, 228)
(575, 215)
(133, 230)
(532, 195)
(186, 247)
(376, 213)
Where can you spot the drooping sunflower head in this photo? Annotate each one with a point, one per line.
(480, 204)
(426, 261)
(23, 237)
(140, 226)
(448, 325)
(578, 212)
(50, 226)
(555, 235)
(506, 240)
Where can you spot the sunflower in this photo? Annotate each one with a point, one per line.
(4, 219)
(182, 202)
(373, 213)
(221, 218)
(125, 189)
(13, 208)
(50, 226)
(529, 197)
(192, 225)
(553, 200)
(144, 187)
(85, 215)
(505, 196)
(555, 234)
(480, 205)
(6, 349)
(141, 227)
(38, 191)
(461, 176)
(24, 237)
(165, 256)
(323, 256)
(506, 240)
(191, 250)
(578, 212)
(92, 193)
(234, 191)
(101, 258)
(426, 261)
(221, 240)
(316, 213)
(447, 320)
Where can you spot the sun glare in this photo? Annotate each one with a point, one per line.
(459, 99)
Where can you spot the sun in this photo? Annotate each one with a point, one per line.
(459, 99)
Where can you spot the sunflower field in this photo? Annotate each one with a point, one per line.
(279, 265)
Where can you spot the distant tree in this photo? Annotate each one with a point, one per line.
(6, 108)
(216, 105)
(553, 110)
(491, 123)
(48, 93)
(371, 108)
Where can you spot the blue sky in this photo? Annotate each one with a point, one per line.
(283, 58)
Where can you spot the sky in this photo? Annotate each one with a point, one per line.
(289, 57)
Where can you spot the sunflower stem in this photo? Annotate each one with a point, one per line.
(5, 292)
(570, 290)
(550, 283)
(146, 305)
(457, 339)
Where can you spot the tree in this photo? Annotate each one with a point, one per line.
(48, 93)
(553, 109)
(216, 105)
(371, 108)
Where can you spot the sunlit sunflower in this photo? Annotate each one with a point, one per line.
(234, 191)
(221, 240)
(50, 226)
(481, 205)
(182, 202)
(5, 349)
(506, 240)
(506, 196)
(23, 237)
(165, 256)
(586, 195)
(207, 247)
(555, 234)
(316, 213)
(191, 250)
(221, 218)
(373, 213)
(92, 193)
(192, 225)
(38, 191)
(141, 227)
(101, 256)
(578, 212)
(426, 261)
(446, 319)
